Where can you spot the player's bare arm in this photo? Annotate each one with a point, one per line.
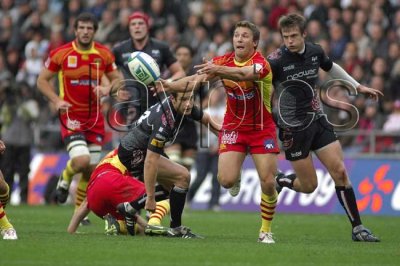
(2, 147)
(338, 72)
(45, 87)
(233, 73)
(150, 178)
(78, 216)
(177, 71)
(192, 82)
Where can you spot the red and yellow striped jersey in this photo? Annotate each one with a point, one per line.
(248, 102)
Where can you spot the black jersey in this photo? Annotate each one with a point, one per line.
(162, 54)
(158, 125)
(291, 74)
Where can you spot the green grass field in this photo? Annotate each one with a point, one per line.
(230, 239)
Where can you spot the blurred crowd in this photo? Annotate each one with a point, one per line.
(361, 35)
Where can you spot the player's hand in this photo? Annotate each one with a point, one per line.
(62, 105)
(208, 67)
(160, 85)
(123, 95)
(2, 147)
(150, 204)
(373, 93)
(101, 90)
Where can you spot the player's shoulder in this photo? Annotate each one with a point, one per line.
(157, 44)
(122, 45)
(65, 48)
(223, 59)
(101, 47)
(276, 54)
(313, 47)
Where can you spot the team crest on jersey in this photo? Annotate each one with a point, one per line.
(97, 61)
(269, 144)
(258, 68)
(137, 157)
(72, 61)
(229, 137)
(275, 54)
(73, 124)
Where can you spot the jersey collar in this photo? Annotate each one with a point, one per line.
(92, 50)
(245, 62)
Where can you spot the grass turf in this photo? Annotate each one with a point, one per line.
(230, 239)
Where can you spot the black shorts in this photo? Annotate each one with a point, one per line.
(297, 145)
(187, 136)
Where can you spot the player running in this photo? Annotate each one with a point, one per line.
(295, 65)
(80, 66)
(248, 126)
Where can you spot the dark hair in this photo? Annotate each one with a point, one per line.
(292, 21)
(86, 17)
(252, 27)
(187, 46)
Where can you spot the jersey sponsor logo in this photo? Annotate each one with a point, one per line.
(72, 61)
(243, 96)
(258, 68)
(157, 143)
(304, 73)
(229, 137)
(137, 157)
(83, 82)
(296, 154)
(73, 124)
(275, 55)
(288, 68)
(155, 52)
(269, 144)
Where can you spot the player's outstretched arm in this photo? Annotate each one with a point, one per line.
(338, 72)
(78, 216)
(233, 73)
(188, 83)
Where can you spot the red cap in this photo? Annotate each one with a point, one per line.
(141, 15)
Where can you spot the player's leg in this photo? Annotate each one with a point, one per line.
(6, 229)
(266, 165)
(297, 146)
(229, 169)
(171, 174)
(162, 209)
(344, 189)
(79, 161)
(95, 156)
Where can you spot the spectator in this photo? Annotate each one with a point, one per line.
(17, 115)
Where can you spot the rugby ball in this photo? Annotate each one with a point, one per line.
(143, 67)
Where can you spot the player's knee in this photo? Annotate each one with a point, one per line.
(226, 182)
(309, 187)
(81, 163)
(267, 181)
(339, 174)
(183, 179)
